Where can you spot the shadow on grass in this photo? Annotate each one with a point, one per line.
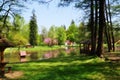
(61, 59)
(80, 72)
(69, 68)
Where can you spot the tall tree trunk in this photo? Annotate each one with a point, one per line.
(111, 27)
(107, 30)
(101, 28)
(92, 27)
(96, 25)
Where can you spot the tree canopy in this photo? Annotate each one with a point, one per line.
(99, 16)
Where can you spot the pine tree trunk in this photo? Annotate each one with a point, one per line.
(101, 28)
(96, 25)
(107, 31)
(111, 27)
(92, 27)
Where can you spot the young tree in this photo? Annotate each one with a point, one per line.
(72, 32)
(52, 32)
(61, 35)
(33, 30)
(8, 8)
(19, 34)
(44, 33)
(18, 22)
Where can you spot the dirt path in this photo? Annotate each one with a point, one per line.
(13, 75)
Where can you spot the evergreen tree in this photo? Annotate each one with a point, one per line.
(33, 30)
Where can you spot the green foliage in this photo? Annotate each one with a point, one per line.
(52, 32)
(33, 30)
(61, 33)
(19, 31)
(8, 10)
(72, 32)
(83, 32)
(19, 39)
(116, 26)
(18, 22)
(39, 39)
(62, 54)
(24, 31)
(5, 27)
(44, 33)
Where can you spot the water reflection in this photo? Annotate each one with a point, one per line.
(32, 56)
(50, 54)
(23, 59)
(22, 55)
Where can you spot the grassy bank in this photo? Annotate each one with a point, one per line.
(68, 68)
(32, 49)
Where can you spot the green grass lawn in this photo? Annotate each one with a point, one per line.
(69, 68)
(32, 49)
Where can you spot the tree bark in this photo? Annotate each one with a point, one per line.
(107, 30)
(92, 27)
(101, 28)
(96, 25)
(111, 27)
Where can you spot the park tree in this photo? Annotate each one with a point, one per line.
(117, 31)
(72, 32)
(52, 32)
(5, 30)
(18, 22)
(83, 32)
(33, 30)
(25, 30)
(44, 33)
(102, 24)
(97, 10)
(8, 9)
(61, 35)
(16, 34)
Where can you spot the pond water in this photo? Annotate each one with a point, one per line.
(14, 56)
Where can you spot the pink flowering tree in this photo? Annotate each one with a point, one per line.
(50, 42)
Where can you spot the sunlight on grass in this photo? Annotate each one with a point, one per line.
(68, 68)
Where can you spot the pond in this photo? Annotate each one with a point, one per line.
(14, 56)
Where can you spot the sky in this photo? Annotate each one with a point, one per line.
(50, 14)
